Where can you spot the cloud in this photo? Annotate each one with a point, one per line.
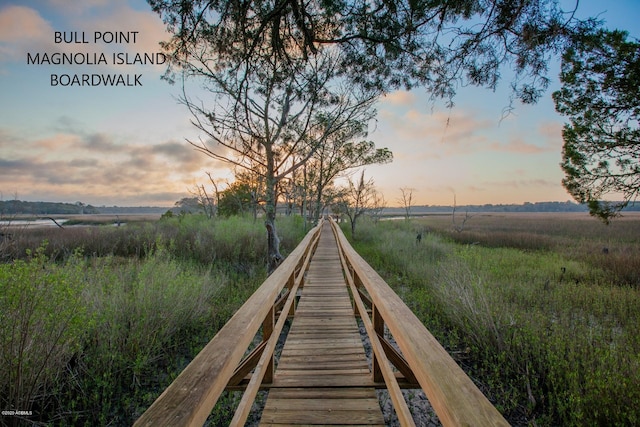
(79, 7)
(421, 135)
(522, 183)
(84, 163)
(8, 139)
(178, 152)
(25, 34)
(548, 138)
(476, 189)
(13, 166)
(116, 17)
(98, 167)
(22, 29)
(59, 142)
(465, 128)
(400, 98)
(150, 28)
(100, 143)
(454, 127)
(67, 124)
(552, 134)
(172, 149)
(22, 23)
(519, 145)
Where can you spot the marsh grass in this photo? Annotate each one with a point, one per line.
(235, 241)
(613, 248)
(546, 332)
(42, 319)
(96, 322)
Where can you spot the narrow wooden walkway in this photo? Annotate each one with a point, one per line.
(322, 377)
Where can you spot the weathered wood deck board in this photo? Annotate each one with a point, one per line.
(322, 376)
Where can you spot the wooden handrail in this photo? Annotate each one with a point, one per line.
(454, 397)
(189, 399)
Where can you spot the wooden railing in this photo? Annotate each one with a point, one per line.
(422, 360)
(222, 363)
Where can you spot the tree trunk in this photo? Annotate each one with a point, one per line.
(353, 228)
(316, 214)
(273, 245)
(254, 205)
(305, 191)
(273, 242)
(318, 202)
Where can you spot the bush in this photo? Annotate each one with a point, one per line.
(147, 313)
(43, 320)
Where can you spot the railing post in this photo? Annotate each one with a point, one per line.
(267, 330)
(354, 278)
(378, 327)
(290, 283)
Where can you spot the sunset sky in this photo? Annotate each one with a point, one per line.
(126, 146)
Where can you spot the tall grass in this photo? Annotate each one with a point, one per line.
(613, 248)
(95, 323)
(42, 319)
(235, 241)
(550, 338)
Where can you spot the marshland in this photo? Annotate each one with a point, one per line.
(541, 310)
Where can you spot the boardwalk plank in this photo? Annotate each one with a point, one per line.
(322, 393)
(323, 376)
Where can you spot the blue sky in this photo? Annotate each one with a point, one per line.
(126, 146)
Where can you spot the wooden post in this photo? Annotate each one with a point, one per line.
(290, 283)
(267, 330)
(355, 279)
(378, 326)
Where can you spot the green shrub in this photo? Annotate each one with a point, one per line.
(146, 313)
(43, 320)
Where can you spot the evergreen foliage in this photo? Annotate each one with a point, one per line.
(382, 44)
(600, 96)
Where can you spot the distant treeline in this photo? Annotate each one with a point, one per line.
(19, 207)
(567, 206)
(13, 207)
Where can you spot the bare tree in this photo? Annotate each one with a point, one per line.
(458, 227)
(377, 206)
(406, 199)
(208, 202)
(338, 156)
(270, 122)
(360, 198)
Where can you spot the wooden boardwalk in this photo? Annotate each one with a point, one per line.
(322, 377)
